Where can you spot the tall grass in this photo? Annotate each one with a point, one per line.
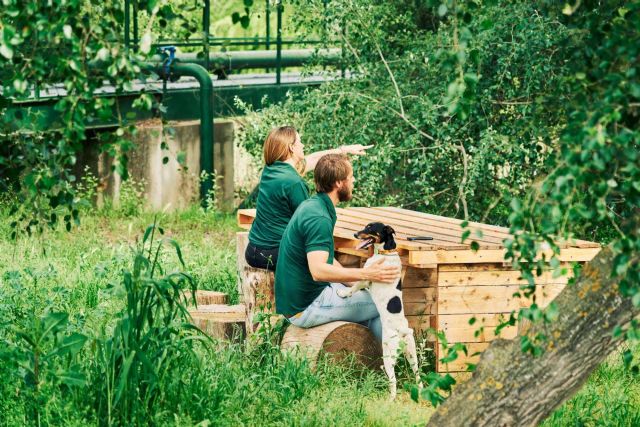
(123, 354)
(140, 362)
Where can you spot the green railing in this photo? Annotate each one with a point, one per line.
(131, 34)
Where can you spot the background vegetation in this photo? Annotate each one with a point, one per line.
(514, 113)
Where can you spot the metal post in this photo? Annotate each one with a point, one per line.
(205, 33)
(279, 43)
(127, 18)
(135, 24)
(268, 14)
(342, 55)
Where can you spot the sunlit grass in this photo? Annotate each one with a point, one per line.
(240, 384)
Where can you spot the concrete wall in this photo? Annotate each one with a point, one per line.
(166, 182)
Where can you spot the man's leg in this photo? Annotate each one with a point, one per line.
(329, 307)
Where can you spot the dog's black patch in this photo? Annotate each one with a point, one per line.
(399, 287)
(394, 305)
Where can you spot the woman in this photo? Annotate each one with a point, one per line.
(281, 191)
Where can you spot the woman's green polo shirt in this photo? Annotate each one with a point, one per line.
(310, 229)
(280, 193)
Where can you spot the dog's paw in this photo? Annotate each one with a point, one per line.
(343, 293)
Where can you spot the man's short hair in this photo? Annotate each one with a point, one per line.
(331, 168)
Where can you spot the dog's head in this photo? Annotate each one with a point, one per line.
(376, 232)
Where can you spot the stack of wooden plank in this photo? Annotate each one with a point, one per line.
(445, 282)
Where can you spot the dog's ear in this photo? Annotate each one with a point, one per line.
(389, 243)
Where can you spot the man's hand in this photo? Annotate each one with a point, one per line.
(378, 272)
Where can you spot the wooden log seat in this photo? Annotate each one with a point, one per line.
(206, 297)
(340, 340)
(221, 321)
(255, 285)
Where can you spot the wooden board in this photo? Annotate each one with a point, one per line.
(457, 328)
(446, 248)
(490, 299)
(421, 323)
(487, 267)
(413, 226)
(491, 256)
(495, 277)
(419, 277)
(474, 350)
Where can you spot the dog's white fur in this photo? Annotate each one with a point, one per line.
(395, 328)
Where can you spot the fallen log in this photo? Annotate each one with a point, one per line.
(340, 340)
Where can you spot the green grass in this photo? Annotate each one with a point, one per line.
(253, 383)
(611, 397)
(78, 273)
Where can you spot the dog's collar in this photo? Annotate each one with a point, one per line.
(389, 252)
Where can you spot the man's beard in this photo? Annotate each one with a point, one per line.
(344, 194)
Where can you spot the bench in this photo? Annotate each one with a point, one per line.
(446, 283)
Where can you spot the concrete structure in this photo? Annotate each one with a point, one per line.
(165, 164)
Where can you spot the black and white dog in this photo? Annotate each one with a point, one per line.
(388, 300)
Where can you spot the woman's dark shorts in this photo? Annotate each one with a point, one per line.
(261, 258)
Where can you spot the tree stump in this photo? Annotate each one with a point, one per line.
(255, 285)
(220, 321)
(341, 340)
(206, 297)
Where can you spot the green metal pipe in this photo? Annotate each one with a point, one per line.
(206, 16)
(206, 114)
(127, 17)
(279, 42)
(236, 60)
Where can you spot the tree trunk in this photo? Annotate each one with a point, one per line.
(206, 297)
(220, 321)
(511, 388)
(255, 286)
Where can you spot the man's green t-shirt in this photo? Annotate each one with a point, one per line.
(310, 229)
(280, 193)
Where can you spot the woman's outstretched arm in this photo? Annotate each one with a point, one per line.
(312, 159)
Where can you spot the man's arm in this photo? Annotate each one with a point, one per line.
(324, 272)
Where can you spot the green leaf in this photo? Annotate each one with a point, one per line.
(147, 232)
(71, 344)
(52, 323)
(442, 9)
(123, 379)
(245, 21)
(415, 393)
(175, 244)
(636, 299)
(235, 17)
(6, 51)
(72, 378)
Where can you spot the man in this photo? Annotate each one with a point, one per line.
(307, 275)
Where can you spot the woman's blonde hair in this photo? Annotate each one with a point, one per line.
(276, 146)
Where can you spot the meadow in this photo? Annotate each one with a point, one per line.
(65, 304)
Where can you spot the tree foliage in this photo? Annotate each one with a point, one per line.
(515, 113)
(72, 48)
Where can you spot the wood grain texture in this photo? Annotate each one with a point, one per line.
(340, 340)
